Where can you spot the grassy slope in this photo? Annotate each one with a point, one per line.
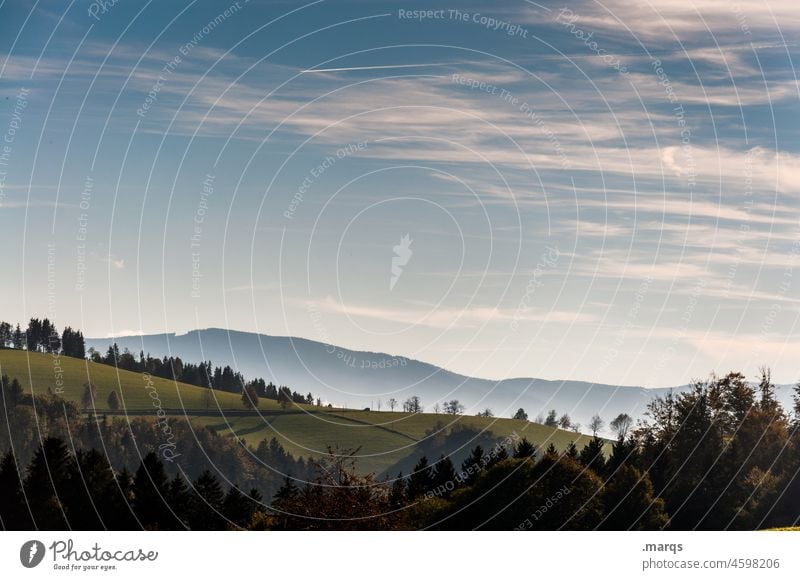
(383, 438)
(36, 373)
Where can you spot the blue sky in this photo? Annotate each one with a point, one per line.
(591, 191)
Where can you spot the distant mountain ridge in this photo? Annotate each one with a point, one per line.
(361, 379)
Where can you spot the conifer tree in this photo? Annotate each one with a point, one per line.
(149, 494)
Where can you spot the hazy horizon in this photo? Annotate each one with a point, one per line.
(718, 372)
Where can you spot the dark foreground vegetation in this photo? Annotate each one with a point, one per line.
(724, 455)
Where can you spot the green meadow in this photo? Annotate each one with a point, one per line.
(382, 438)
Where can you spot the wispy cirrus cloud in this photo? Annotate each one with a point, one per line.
(444, 318)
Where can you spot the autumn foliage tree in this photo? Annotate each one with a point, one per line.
(338, 498)
(250, 397)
